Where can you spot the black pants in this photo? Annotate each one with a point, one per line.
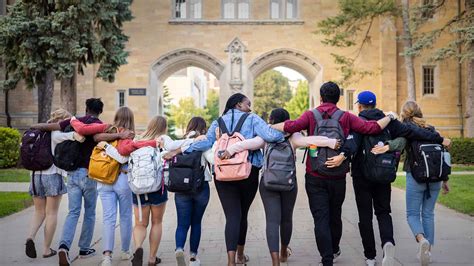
(325, 201)
(236, 198)
(370, 195)
(279, 206)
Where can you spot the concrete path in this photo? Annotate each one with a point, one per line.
(454, 235)
(14, 187)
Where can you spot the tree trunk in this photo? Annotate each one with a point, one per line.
(7, 109)
(469, 114)
(45, 86)
(407, 44)
(68, 93)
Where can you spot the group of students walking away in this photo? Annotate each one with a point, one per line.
(135, 172)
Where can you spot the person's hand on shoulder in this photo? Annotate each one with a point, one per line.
(446, 142)
(78, 137)
(102, 145)
(127, 134)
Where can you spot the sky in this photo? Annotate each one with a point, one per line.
(289, 73)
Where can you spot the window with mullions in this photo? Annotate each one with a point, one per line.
(283, 9)
(188, 9)
(236, 9)
(350, 100)
(428, 80)
(121, 98)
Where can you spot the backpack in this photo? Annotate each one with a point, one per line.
(35, 150)
(279, 168)
(427, 162)
(186, 173)
(238, 166)
(379, 168)
(67, 154)
(330, 128)
(102, 167)
(145, 172)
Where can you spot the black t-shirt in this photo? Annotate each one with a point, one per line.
(89, 144)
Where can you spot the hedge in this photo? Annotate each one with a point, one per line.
(462, 151)
(9, 147)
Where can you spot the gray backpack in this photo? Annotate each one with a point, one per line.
(330, 128)
(279, 169)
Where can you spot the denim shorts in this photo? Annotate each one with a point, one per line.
(47, 185)
(155, 198)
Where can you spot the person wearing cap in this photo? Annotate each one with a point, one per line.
(375, 197)
(327, 193)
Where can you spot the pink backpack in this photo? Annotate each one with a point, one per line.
(238, 166)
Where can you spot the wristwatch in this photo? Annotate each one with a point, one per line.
(343, 154)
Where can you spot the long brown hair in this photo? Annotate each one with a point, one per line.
(411, 112)
(198, 125)
(156, 127)
(124, 119)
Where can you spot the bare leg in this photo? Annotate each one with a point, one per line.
(52, 206)
(231, 258)
(275, 258)
(240, 254)
(139, 231)
(157, 213)
(38, 216)
(283, 253)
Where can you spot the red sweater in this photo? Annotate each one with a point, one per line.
(348, 121)
(124, 146)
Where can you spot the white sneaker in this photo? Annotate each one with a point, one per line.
(106, 261)
(126, 255)
(388, 254)
(423, 252)
(180, 261)
(369, 262)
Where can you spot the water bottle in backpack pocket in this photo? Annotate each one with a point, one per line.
(279, 168)
(379, 168)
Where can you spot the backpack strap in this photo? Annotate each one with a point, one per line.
(240, 123)
(318, 117)
(222, 126)
(337, 115)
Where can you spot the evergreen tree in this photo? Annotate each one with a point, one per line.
(271, 90)
(299, 103)
(167, 112)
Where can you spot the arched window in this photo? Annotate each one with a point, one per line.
(236, 9)
(187, 9)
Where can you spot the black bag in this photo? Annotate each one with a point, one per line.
(330, 128)
(186, 174)
(427, 162)
(67, 154)
(379, 168)
(35, 150)
(279, 168)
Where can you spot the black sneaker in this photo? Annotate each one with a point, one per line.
(336, 255)
(63, 255)
(30, 249)
(86, 253)
(138, 257)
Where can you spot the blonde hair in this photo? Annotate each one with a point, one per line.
(124, 119)
(156, 127)
(59, 115)
(411, 112)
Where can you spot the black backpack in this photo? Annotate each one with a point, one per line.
(35, 150)
(186, 174)
(379, 168)
(67, 154)
(427, 163)
(279, 168)
(330, 128)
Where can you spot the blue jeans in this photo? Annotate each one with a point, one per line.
(190, 209)
(79, 185)
(420, 210)
(110, 195)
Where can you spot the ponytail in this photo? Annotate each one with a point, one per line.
(233, 101)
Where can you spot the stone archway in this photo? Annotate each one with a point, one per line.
(171, 62)
(295, 60)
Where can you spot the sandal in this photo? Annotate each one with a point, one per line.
(289, 251)
(157, 261)
(30, 249)
(138, 257)
(51, 253)
(244, 262)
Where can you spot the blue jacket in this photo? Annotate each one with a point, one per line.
(252, 127)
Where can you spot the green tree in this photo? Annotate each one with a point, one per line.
(184, 111)
(300, 101)
(271, 90)
(212, 106)
(167, 112)
(45, 40)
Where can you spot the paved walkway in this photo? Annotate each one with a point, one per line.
(454, 246)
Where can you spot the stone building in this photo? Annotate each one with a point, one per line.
(237, 40)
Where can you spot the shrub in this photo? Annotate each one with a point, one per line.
(9, 147)
(462, 151)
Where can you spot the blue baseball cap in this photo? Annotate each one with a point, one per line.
(367, 98)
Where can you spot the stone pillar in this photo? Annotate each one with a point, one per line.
(388, 64)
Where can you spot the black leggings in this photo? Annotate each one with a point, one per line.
(279, 215)
(236, 198)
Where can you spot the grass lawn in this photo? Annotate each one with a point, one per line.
(11, 202)
(454, 168)
(460, 196)
(14, 175)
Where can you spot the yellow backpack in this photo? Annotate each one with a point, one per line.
(103, 168)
